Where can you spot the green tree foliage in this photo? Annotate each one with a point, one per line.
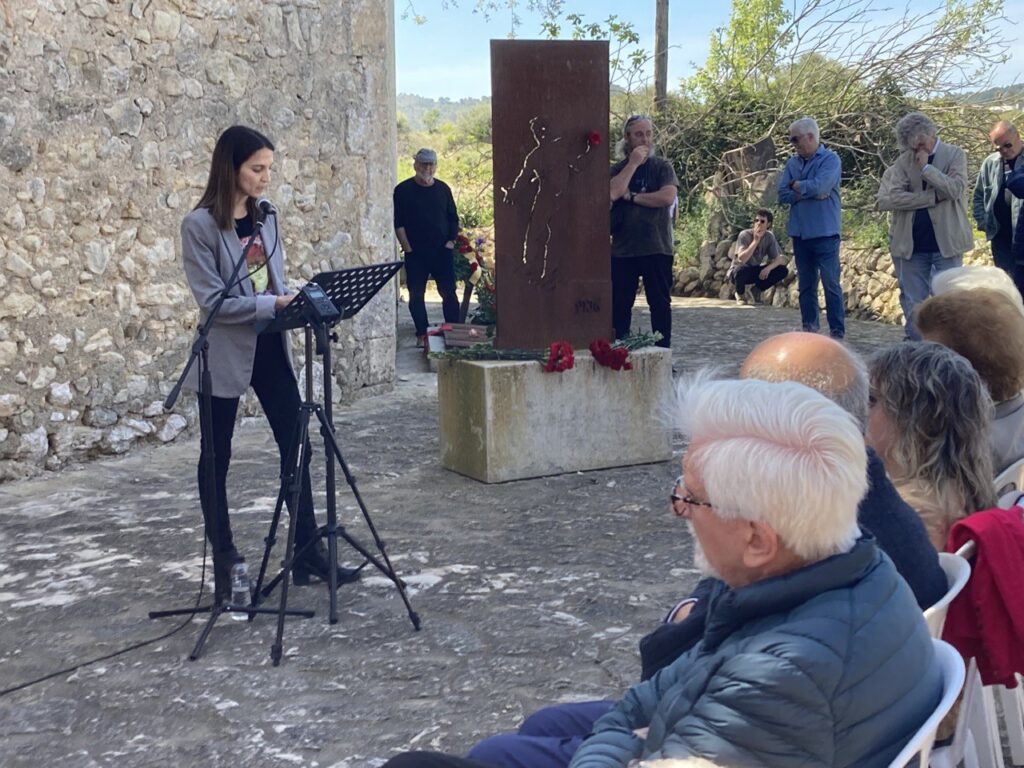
(463, 146)
(431, 120)
(743, 54)
(853, 66)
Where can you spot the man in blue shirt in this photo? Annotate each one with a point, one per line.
(810, 186)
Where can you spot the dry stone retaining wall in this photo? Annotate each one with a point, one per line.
(868, 280)
(108, 114)
(746, 179)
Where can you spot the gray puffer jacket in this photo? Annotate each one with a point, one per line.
(830, 665)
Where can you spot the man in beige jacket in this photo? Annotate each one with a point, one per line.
(926, 191)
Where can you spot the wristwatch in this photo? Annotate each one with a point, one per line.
(632, 196)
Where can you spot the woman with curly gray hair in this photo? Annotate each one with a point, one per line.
(930, 420)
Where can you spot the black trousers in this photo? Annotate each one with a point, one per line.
(420, 266)
(278, 393)
(656, 270)
(750, 274)
(1002, 256)
(432, 760)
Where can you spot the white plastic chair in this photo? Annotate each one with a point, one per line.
(981, 746)
(957, 571)
(1011, 478)
(952, 667)
(976, 738)
(1012, 700)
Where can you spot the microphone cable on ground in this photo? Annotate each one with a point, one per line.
(121, 652)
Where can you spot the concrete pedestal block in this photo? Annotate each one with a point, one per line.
(508, 420)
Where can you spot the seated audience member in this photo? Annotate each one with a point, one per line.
(757, 259)
(967, 322)
(931, 422)
(549, 737)
(977, 276)
(814, 650)
(837, 372)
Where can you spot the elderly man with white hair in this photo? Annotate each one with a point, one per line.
(814, 651)
(926, 191)
(809, 184)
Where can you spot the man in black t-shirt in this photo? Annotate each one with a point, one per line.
(643, 190)
(427, 223)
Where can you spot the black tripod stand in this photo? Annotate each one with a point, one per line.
(330, 297)
(208, 498)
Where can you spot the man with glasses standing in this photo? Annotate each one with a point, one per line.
(995, 209)
(809, 184)
(643, 190)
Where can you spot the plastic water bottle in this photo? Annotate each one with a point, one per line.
(240, 595)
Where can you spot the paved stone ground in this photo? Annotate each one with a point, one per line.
(531, 592)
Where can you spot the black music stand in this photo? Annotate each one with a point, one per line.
(327, 299)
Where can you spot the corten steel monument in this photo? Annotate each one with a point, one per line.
(549, 117)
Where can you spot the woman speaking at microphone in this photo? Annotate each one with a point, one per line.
(213, 237)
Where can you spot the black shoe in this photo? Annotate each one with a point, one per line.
(313, 563)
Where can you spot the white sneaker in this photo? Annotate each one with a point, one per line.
(741, 299)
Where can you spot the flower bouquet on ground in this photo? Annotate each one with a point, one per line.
(487, 303)
(469, 267)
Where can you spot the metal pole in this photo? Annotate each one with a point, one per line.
(660, 54)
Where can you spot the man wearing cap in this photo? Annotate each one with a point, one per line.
(643, 190)
(427, 223)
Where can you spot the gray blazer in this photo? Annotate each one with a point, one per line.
(945, 199)
(990, 180)
(209, 255)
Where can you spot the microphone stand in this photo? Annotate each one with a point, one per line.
(208, 498)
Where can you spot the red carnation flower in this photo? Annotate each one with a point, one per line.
(560, 357)
(605, 354)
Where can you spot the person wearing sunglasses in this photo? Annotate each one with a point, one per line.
(809, 185)
(995, 209)
(757, 259)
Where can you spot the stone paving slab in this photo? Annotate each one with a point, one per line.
(530, 592)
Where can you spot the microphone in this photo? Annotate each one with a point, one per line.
(266, 207)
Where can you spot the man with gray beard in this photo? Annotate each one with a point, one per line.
(643, 191)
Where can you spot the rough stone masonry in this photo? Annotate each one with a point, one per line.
(108, 114)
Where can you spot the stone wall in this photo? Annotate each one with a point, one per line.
(868, 280)
(108, 114)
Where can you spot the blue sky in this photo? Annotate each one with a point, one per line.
(449, 54)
